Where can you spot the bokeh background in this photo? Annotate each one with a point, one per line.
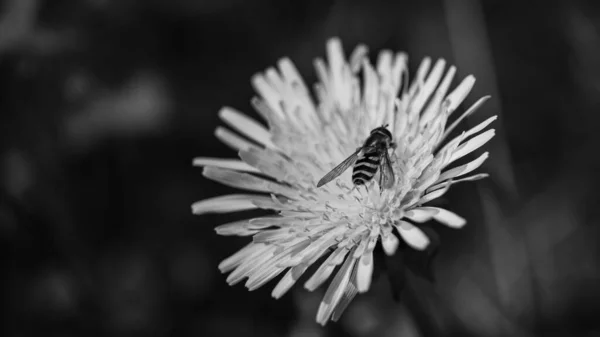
(104, 103)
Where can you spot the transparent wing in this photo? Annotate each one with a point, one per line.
(387, 173)
(343, 166)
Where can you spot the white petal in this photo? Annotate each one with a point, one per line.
(466, 114)
(233, 140)
(270, 221)
(318, 246)
(347, 297)
(269, 269)
(460, 93)
(248, 182)
(413, 235)
(228, 203)
(420, 76)
(237, 258)
(249, 252)
(430, 84)
(335, 291)
(357, 57)
(232, 164)
(448, 218)
(251, 264)
(273, 203)
(384, 63)
(262, 107)
(268, 93)
(364, 272)
(480, 126)
(246, 126)
(259, 279)
(270, 163)
(445, 153)
(370, 93)
(277, 83)
(362, 246)
(463, 169)
(325, 83)
(389, 243)
(398, 68)
(335, 59)
(420, 215)
(291, 74)
(239, 228)
(287, 281)
(272, 235)
(236, 179)
(435, 193)
(335, 54)
(447, 183)
(276, 221)
(472, 144)
(326, 268)
(433, 109)
(294, 274)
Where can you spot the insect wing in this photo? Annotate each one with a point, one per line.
(343, 166)
(387, 173)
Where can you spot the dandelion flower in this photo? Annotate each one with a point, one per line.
(305, 138)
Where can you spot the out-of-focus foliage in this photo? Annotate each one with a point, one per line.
(104, 103)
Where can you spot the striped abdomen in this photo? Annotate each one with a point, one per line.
(365, 168)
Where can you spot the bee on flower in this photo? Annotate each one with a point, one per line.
(391, 132)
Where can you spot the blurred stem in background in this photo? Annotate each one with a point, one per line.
(509, 256)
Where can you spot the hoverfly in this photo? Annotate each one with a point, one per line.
(367, 160)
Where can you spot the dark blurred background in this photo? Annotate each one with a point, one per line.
(104, 103)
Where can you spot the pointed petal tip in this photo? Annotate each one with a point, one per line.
(481, 101)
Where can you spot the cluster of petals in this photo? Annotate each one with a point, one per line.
(307, 133)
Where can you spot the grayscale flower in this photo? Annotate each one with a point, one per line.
(305, 138)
